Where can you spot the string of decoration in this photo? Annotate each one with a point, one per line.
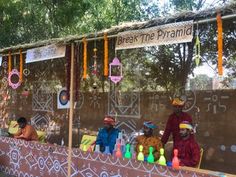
(9, 62)
(21, 66)
(85, 59)
(105, 55)
(77, 76)
(78, 73)
(95, 71)
(220, 44)
(197, 48)
(68, 56)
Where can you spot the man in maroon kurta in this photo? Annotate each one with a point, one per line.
(172, 126)
(188, 149)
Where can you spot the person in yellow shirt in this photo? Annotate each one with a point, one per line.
(148, 139)
(26, 131)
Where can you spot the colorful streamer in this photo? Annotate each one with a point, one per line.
(21, 66)
(197, 51)
(220, 44)
(85, 59)
(9, 63)
(105, 55)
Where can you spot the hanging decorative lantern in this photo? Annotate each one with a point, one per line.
(115, 70)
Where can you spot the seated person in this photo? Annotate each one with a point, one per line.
(148, 139)
(107, 135)
(188, 149)
(26, 131)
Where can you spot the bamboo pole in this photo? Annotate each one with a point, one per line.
(71, 109)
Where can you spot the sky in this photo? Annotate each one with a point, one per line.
(208, 2)
(205, 69)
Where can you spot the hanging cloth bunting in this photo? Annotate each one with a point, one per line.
(105, 55)
(220, 44)
(21, 66)
(197, 48)
(85, 59)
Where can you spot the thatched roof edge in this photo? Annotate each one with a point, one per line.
(183, 16)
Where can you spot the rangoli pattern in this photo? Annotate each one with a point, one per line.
(42, 97)
(124, 104)
(40, 121)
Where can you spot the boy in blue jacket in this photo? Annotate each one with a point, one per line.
(107, 135)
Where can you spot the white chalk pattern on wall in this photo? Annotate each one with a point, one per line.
(95, 100)
(215, 102)
(42, 99)
(124, 104)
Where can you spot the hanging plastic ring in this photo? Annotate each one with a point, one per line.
(26, 72)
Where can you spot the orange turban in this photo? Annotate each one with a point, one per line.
(178, 102)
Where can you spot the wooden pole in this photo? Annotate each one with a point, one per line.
(71, 109)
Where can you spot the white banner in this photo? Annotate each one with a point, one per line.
(45, 53)
(0, 60)
(160, 35)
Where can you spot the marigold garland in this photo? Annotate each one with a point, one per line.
(85, 59)
(220, 44)
(105, 55)
(21, 66)
(9, 62)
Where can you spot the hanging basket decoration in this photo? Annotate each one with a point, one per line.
(115, 70)
(85, 59)
(14, 79)
(105, 55)
(220, 44)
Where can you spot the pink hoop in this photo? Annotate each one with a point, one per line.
(12, 73)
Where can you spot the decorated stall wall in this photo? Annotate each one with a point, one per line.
(22, 158)
(212, 111)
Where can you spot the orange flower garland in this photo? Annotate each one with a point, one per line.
(21, 66)
(105, 55)
(220, 44)
(85, 59)
(9, 62)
